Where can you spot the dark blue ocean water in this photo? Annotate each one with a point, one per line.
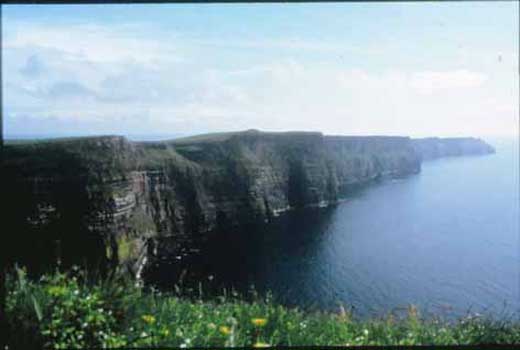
(446, 240)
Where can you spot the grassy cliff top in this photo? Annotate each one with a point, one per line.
(201, 138)
(115, 154)
(225, 136)
(61, 140)
(222, 136)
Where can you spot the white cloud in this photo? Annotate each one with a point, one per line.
(113, 80)
(429, 82)
(94, 43)
(293, 43)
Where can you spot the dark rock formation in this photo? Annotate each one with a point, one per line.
(102, 199)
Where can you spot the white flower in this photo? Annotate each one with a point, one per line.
(144, 334)
(183, 346)
(365, 332)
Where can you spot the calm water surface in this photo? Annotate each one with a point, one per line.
(446, 240)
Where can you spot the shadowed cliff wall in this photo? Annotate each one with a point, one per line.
(101, 199)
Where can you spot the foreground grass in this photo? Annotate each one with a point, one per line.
(63, 311)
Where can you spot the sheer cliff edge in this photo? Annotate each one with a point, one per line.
(105, 197)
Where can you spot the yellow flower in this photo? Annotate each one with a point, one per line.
(225, 330)
(259, 322)
(148, 319)
(261, 345)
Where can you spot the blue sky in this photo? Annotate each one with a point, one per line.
(417, 69)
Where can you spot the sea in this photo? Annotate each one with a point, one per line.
(445, 240)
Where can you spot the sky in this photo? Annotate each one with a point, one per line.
(416, 69)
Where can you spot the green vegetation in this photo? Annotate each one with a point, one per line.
(224, 136)
(65, 310)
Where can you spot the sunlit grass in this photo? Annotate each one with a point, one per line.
(62, 310)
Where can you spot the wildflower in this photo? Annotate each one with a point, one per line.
(148, 319)
(365, 332)
(259, 322)
(225, 330)
(261, 345)
(211, 325)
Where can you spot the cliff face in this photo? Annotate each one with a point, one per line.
(110, 197)
(434, 147)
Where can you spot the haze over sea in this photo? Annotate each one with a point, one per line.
(446, 240)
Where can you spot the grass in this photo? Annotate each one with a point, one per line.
(64, 310)
(224, 136)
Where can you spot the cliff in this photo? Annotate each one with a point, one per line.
(104, 199)
(434, 147)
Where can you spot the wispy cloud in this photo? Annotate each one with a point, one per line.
(121, 77)
(93, 43)
(429, 82)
